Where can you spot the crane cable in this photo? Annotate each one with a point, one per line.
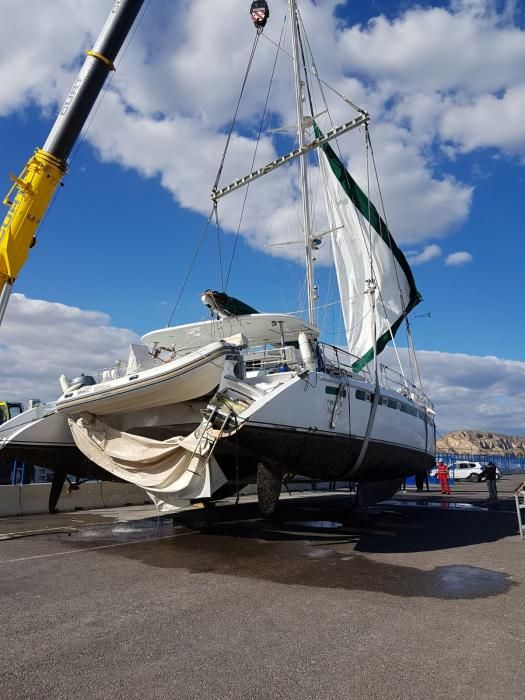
(232, 126)
(192, 265)
(247, 189)
(213, 212)
(226, 146)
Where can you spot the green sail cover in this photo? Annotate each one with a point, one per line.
(356, 222)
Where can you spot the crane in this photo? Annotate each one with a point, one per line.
(32, 192)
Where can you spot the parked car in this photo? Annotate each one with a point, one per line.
(466, 470)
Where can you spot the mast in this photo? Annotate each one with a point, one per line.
(33, 191)
(292, 5)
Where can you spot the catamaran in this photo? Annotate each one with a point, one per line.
(250, 397)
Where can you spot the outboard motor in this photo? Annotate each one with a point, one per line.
(83, 380)
(260, 13)
(76, 383)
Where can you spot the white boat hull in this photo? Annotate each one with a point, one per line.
(40, 425)
(294, 426)
(42, 436)
(184, 379)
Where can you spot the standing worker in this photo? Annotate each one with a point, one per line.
(442, 473)
(490, 474)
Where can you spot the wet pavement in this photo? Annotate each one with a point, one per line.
(421, 596)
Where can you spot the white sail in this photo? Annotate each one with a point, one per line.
(364, 250)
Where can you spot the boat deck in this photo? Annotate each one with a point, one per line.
(420, 597)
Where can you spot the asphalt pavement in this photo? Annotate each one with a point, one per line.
(422, 596)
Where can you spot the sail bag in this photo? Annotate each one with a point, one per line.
(364, 250)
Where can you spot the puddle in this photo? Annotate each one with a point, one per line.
(126, 531)
(320, 553)
(321, 524)
(458, 581)
(441, 505)
(332, 547)
(314, 565)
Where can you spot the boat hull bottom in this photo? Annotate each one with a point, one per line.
(328, 456)
(312, 455)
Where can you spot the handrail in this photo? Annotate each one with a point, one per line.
(342, 361)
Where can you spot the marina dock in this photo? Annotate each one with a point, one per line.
(421, 596)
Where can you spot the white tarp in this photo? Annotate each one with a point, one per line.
(353, 241)
(177, 468)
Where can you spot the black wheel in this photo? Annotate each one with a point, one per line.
(474, 477)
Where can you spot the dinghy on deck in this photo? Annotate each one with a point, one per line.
(148, 385)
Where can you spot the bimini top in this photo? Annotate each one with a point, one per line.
(259, 329)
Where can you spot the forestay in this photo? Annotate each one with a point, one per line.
(364, 250)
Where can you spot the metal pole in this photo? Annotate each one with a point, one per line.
(303, 164)
(361, 120)
(4, 298)
(91, 78)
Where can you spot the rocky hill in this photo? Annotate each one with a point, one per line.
(478, 442)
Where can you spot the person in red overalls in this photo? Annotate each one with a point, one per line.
(443, 478)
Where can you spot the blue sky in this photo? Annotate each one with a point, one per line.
(123, 230)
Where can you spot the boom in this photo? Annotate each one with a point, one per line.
(32, 192)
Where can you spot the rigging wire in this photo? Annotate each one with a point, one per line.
(195, 255)
(219, 245)
(330, 87)
(412, 357)
(327, 305)
(217, 178)
(254, 154)
(305, 69)
(340, 332)
(380, 293)
(368, 144)
(232, 126)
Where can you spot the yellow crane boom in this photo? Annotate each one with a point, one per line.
(32, 192)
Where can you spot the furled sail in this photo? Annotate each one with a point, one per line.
(364, 249)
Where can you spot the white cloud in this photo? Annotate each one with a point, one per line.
(487, 121)
(472, 392)
(428, 253)
(41, 69)
(454, 74)
(418, 203)
(175, 91)
(460, 258)
(41, 340)
(467, 47)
